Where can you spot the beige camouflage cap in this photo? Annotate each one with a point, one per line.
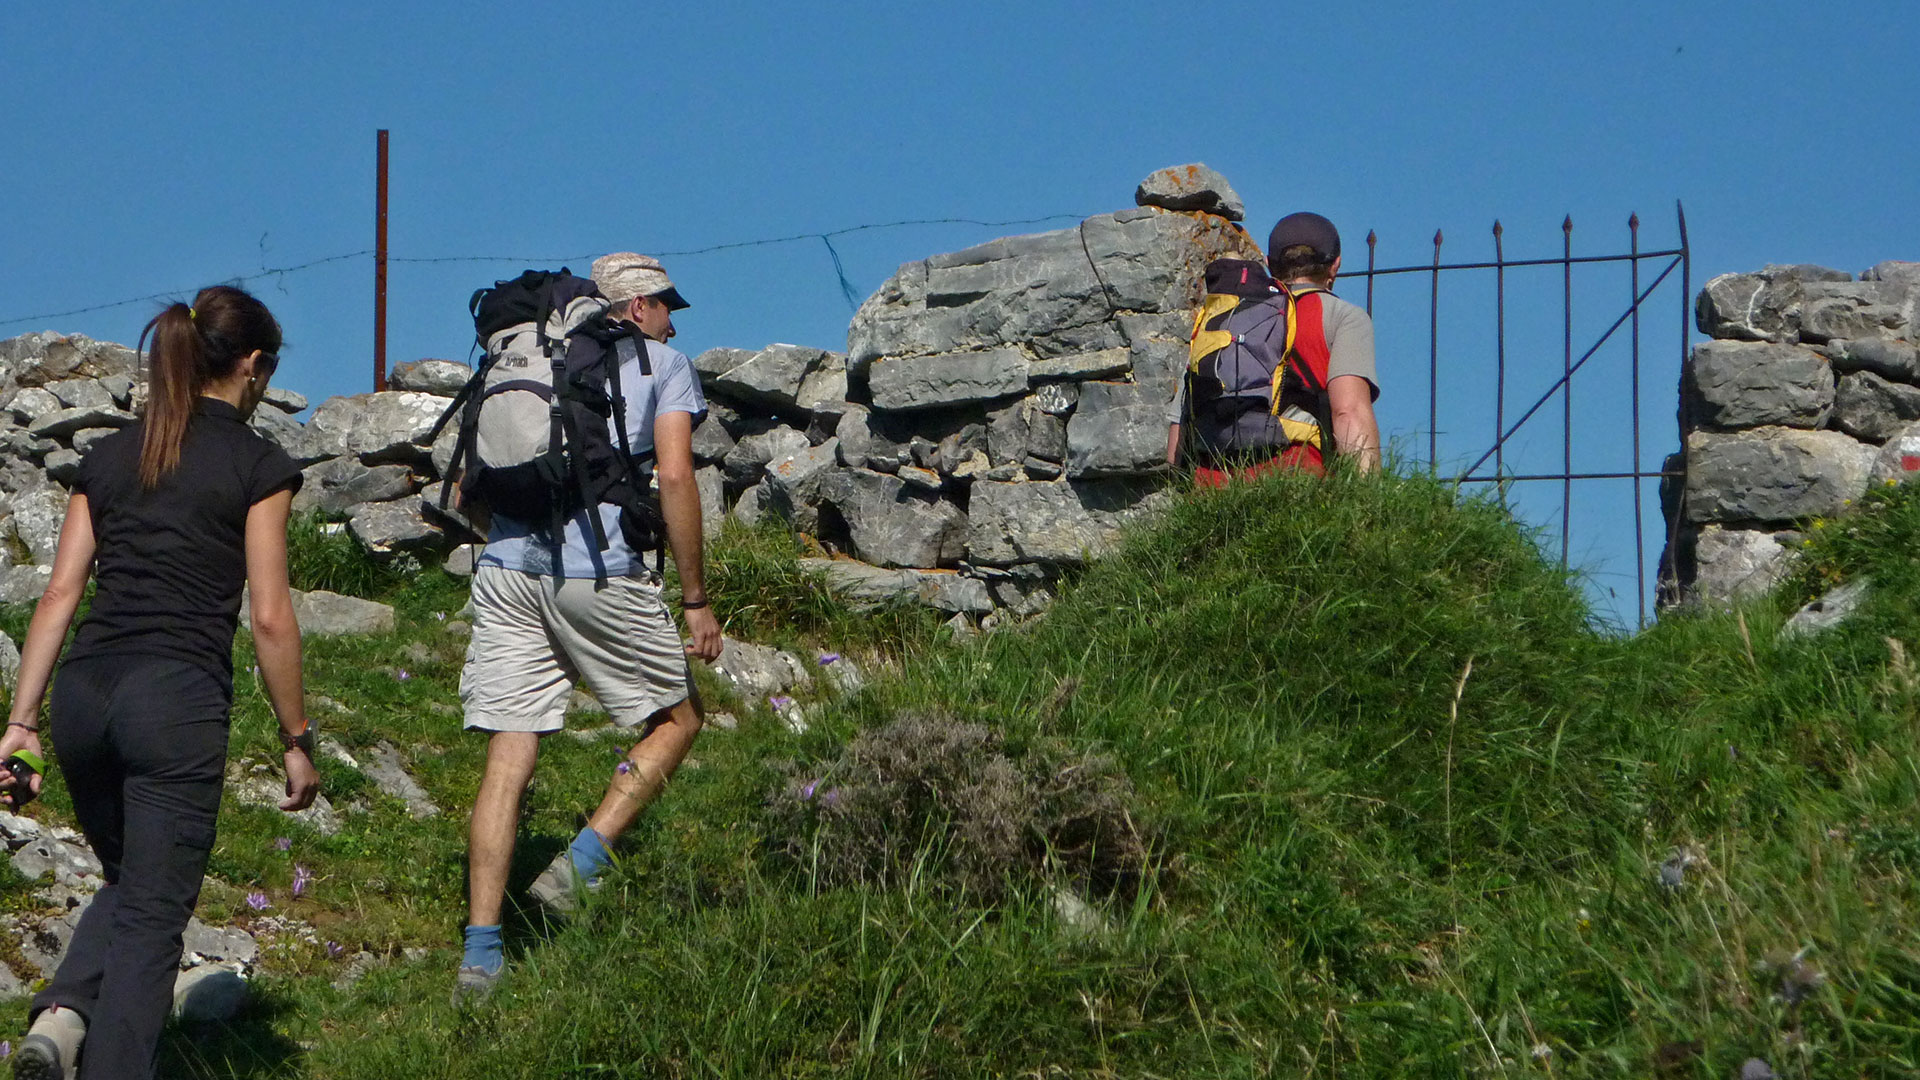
(624, 275)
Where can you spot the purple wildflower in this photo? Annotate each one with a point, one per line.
(828, 658)
(302, 877)
(334, 949)
(806, 790)
(780, 701)
(830, 797)
(440, 616)
(283, 844)
(402, 675)
(257, 901)
(6, 1048)
(623, 768)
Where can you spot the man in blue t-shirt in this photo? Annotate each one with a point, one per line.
(539, 626)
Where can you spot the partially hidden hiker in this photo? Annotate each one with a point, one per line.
(563, 590)
(171, 518)
(1280, 370)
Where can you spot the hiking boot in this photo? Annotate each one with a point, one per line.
(51, 1046)
(474, 985)
(559, 889)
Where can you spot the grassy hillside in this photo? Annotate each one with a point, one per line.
(1315, 778)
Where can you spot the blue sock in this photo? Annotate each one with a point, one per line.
(483, 949)
(590, 854)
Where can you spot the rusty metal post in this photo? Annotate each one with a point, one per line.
(1566, 385)
(1686, 329)
(1639, 539)
(1500, 355)
(380, 267)
(1372, 242)
(1433, 362)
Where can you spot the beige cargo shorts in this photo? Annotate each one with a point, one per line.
(534, 636)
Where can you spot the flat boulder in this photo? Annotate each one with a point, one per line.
(1740, 384)
(892, 524)
(380, 428)
(329, 614)
(1773, 474)
(1060, 522)
(1191, 187)
(440, 377)
(339, 483)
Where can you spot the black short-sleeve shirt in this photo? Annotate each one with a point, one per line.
(170, 562)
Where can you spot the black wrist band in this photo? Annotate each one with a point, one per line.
(689, 605)
(23, 727)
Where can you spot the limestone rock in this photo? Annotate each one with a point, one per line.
(40, 358)
(1899, 460)
(381, 428)
(1874, 409)
(1850, 311)
(749, 457)
(24, 584)
(794, 483)
(86, 439)
(209, 994)
(1191, 187)
(327, 614)
(1773, 474)
(32, 403)
(785, 379)
(62, 465)
(281, 398)
(1118, 429)
(868, 440)
(338, 483)
(920, 382)
(62, 422)
(713, 363)
(393, 528)
(202, 944)
(81, 394)
(890, 525)
(1054, 292)
(1737, 384)
(442, 377)
(1104, 364)
(9, 662)
(388, 773)
(1896, 360)
(711, 440)
(1828, 611)
(1736, 564)
(1059, 522)
(713, 499)
(871, 586)
(38, 514)
(756, 671)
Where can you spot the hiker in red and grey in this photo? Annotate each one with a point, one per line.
(1280, 370)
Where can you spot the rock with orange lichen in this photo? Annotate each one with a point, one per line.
(1191, 187)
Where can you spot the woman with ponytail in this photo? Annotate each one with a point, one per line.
(171, 517)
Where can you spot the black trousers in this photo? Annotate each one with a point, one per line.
(142, 744)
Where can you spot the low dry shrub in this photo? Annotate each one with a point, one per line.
(940, 802)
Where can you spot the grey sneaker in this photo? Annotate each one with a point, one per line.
(559, 888)
(51, 1046)
(473, 985)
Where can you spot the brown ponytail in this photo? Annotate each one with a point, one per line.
(192, 347)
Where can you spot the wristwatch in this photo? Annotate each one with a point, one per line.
(302, 741)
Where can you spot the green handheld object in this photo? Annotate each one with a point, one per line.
(23, 764)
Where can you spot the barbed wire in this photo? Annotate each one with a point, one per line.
(846, 286)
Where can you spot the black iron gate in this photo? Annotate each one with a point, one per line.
(1641, 288)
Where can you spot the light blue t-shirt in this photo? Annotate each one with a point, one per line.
(515, 545)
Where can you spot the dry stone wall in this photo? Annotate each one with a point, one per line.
(1807, 394)
(999, 415)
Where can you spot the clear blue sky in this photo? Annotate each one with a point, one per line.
(163, 146)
